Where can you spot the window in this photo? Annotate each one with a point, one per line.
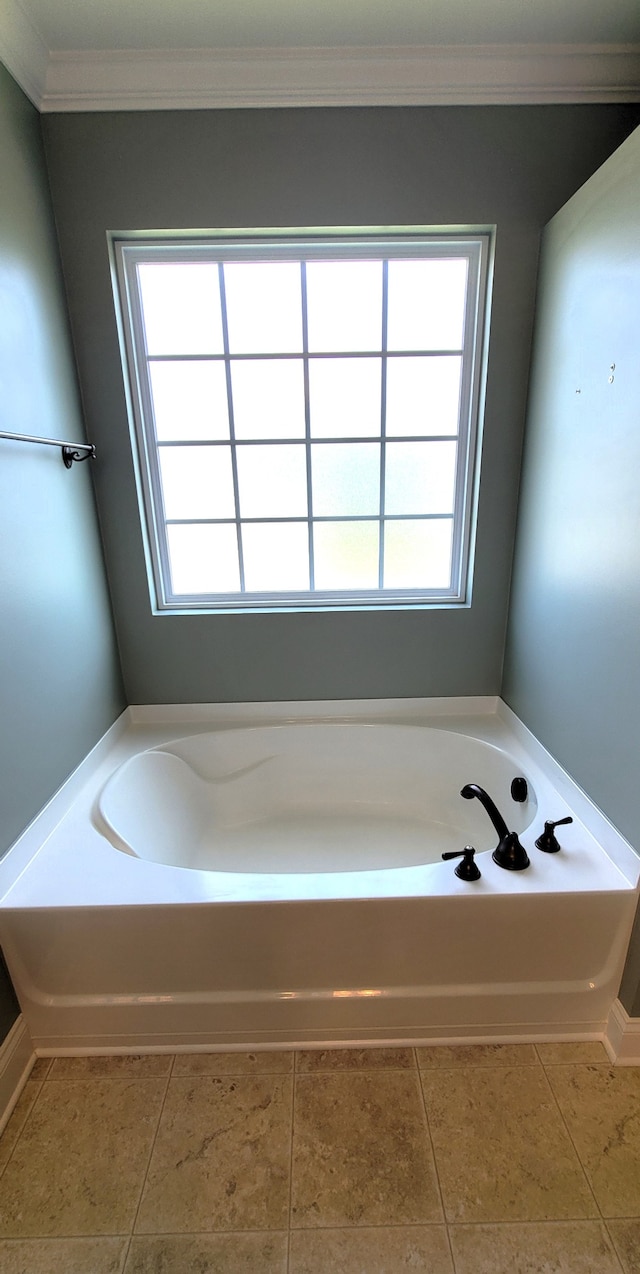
(305, 415)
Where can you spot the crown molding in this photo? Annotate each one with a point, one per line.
(22, 51)
(193, 79)
(207, 78)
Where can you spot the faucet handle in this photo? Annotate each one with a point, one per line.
(468, 869)
(548, 842)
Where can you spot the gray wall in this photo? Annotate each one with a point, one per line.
(60, 685)
(572, 667)
(510, 166)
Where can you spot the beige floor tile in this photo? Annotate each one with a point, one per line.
(354, 1059)
(138, 1066)
(209, 1254)
(79, 1164)
(580, 1051)
(502, 1151)
(17, 1120)
(375, 1251)
(626, 1237)
(62, 1256)
(361, 1152)
(444, 1055)
(602, 1108)
(556, 1247)
(221, 1158)
(260, 1063)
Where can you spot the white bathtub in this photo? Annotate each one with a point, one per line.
(314, 799)
(217, 878)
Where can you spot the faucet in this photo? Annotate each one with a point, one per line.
(509, 853)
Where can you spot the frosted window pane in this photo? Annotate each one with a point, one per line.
(417, 554)
(181, 306)
(268, 399)
(197, 482)
(345, 397)
(346, 554)
(423, 395)
(264, 308)
(276, 557)
(344, 305)
(189, 401)
(204, 559)
(426, 304)
(272, 482)
(420, 477)
(346, 479)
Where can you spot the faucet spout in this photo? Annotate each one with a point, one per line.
(470, 790)
(509, 853)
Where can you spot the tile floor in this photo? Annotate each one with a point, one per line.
(505, 1159)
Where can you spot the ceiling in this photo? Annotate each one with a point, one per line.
(123, 54)
(194, 24)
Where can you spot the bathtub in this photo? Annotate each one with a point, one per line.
(323, 799)
(272, 875)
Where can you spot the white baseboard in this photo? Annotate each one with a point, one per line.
(622, 1037)
(16, 1060)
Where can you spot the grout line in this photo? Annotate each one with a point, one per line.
(151, 1149)
(24, 1122)
(478, 1066)
(47, 1072)
(358, 1070)
(611, 1236)
(152, 1235)
(522, 1223)
(435, 1163)
(294, 1078)
(575, 1148)
(353, 1228)
(125, 1253)
(605, 1065)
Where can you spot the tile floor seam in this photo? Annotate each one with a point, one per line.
(125, 1257)
(622, 1264)
(47, 1072)
(198, 1233)
(604, 1065)
(632, 1216)
(435, 1164)
(570, 1136)
(535, 1222)
(7, 1240)
(24, 1123)
(478, 1066)
(369, 1225)
(294, 1076)
(148, 1164)
(360, 1070)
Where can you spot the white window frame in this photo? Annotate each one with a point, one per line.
(127, 250)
